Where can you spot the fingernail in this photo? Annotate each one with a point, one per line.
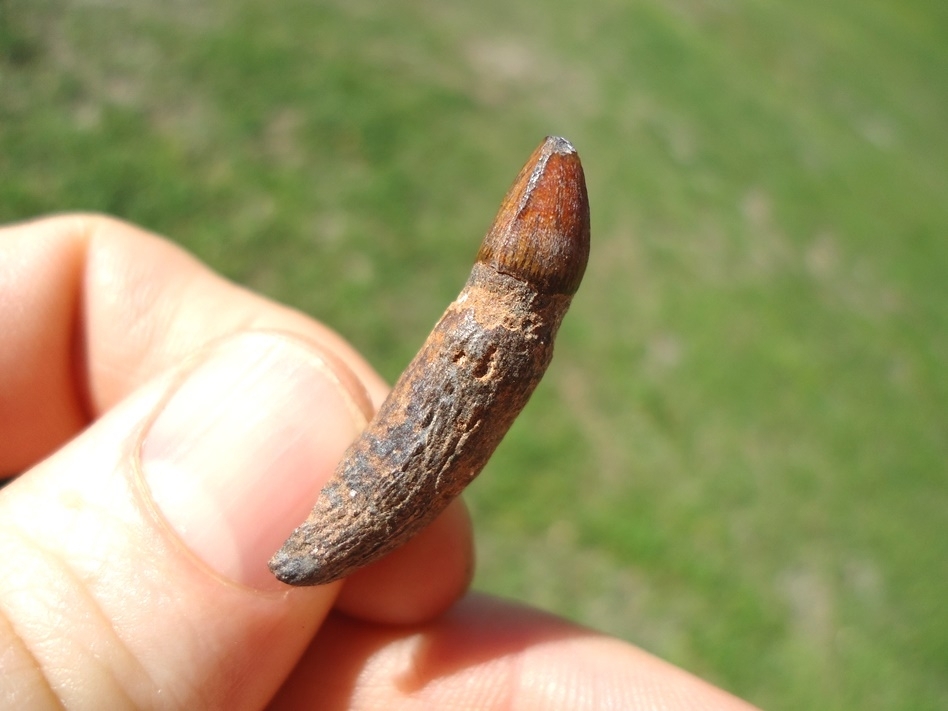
(238, 453)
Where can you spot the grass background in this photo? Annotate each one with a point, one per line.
(738, 458)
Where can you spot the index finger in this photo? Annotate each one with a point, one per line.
(92, 307)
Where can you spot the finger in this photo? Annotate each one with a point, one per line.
(144, 545)
(134, 559)
(487, 654)
(91, 308)
(40, 406)
(137, 305)
(419, 580)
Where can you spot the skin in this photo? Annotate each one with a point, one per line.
(113, 591)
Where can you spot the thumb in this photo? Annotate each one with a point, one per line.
(133, 561)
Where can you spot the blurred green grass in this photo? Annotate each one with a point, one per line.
(737, 459)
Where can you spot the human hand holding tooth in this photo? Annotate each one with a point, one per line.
(164, 444)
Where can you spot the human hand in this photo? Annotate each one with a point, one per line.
(172, 428)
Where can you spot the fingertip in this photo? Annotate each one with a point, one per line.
(133, 556)
(243, 443)
(418, 581)
(487, 653)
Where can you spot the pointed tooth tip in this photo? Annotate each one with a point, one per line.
(558, 144)
(541, 233)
